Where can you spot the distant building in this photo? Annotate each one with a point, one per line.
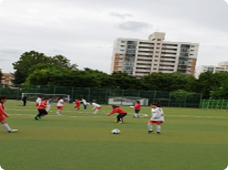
(224, 64)
(142, 57)
(7, 79)
(211, 68)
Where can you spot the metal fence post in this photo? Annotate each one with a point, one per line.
(122, 97)
(88, 94)
(72, 93)
(154, 96)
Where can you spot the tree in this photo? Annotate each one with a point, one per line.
(25, 63)
(30, 61)
(1, 76)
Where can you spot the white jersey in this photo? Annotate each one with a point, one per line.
(95, 105)
(84, 102)
(38, 100)
(60, 102)
(157, 114)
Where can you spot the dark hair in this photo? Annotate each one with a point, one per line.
(46, 98)
(138, 102)
(115, 106)
(2, 98)
(159, 105)
(155, 104)
(60, 98)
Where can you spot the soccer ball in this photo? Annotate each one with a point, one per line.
(115, 131)
(146, 115)
(132, 107)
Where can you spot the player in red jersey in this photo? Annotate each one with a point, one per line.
(77, 102)
(3, 113)
(137, 108)
(41, 109)
(121, 114)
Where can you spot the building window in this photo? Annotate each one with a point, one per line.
(154, 69)
(156, 56)
(155, 64)
(158, 43)
(157, 52)
(157, 47)
(159, 39)
(155, 60)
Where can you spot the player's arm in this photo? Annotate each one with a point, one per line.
(3, 112)
(114, 111)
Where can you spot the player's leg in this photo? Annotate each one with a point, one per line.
(158, 127)
(38, 116)
(6, 126)
(121, 117)
(150, 126)
(44, 113)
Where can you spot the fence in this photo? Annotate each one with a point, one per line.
(101, 96)
(214, 104)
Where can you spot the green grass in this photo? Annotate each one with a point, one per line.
(191, 139)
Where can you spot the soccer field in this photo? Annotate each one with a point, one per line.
(190, 139)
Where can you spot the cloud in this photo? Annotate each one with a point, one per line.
(134, 26)
(119, 15)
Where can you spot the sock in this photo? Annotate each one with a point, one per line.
(57, 113)
(6, 126)
(150, 127)
(95, 112)
(136, 115)
(158, 128)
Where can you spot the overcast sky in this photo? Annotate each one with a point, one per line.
(84, 30)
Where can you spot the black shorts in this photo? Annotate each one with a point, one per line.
(137, 111)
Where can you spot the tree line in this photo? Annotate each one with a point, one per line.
(34, 68)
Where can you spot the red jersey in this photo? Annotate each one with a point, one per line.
(77, 102)
(137, 106)
(42, 105)
(2, 112)
(117, 110)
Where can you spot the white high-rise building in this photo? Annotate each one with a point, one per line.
(212, 68)
(142, 57)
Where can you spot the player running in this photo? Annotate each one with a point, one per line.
(137, 108)
(84, 103)
(3, 113)
(60, 105)
(157, 118)
(38, 100)
(121, 114)
(96, 107)
(41, 109)
(77, 104)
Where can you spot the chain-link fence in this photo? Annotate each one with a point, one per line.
(214, 104)
(102, 96)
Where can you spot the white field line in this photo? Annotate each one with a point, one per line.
(98, 116)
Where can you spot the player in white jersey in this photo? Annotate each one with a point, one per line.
(84, 103)
(48, 105)
(60, 105)
(157, 118)
(38, 101)
(96, 107)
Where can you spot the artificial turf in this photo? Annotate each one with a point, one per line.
(190, 139)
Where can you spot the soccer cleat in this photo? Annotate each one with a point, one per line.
(150, 131)
(12, 130)
(158, 133)
(36, 118)
(120, 122)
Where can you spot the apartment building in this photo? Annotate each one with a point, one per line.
(6, 78)
(224, 64)
(142, 57)
(212, 68)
